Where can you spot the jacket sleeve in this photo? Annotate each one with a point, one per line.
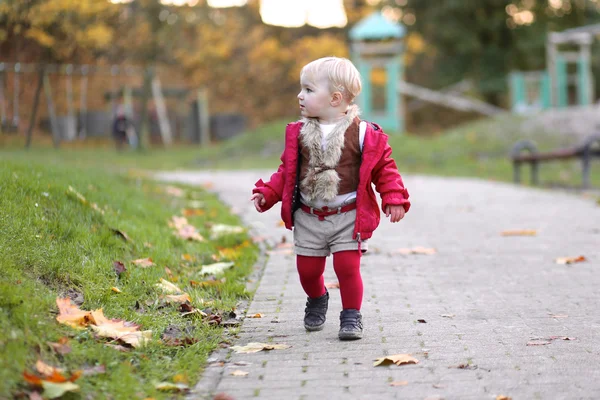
(273, 188)
(388, 181)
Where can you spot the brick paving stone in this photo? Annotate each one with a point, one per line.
(483, 296)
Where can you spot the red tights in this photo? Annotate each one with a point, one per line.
(346, 265)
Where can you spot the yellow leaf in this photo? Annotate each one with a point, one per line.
(521, 232)
(70, 314)
(570, 260)
(171, 387)
(258, 315)
(398, 359)
(168, 287)
(182, 298)
(117, 329)
(416, 250)
(256, 347)
(115, 289)
(46, 369)
(55, 390)
(503, 397)
(239, 373)
(399, 383)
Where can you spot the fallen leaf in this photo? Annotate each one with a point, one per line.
(212, 282)
(117, 347)
(47, 370)
(144, 262)
(257, 316)
(178, 222)
(559, 316)
(239, 373)
(562, 338)
(503, 397)
(538, 342)
(193, 212)
(256, 347)
(399, 383)
(519, 232)
(171, 387)
(421, 321)
(464, 366)
(416, 250)
(216, 268)
(332, 285)
(174, 191)
(398, 359)
(438, 386)
(116, 289)
(62, 347)
(126, 332)
(189, 232)
(222, 396)
(179, 298)
(168, 287)
(70, 314)
(121, 234)
(570, 260)
(119, 267)
(448, 315)
(187, 257)
(220, 230)
(55, 390)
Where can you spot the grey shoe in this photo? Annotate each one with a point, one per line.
(315, 312)
(351, 327)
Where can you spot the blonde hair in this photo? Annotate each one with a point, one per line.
(341, 74)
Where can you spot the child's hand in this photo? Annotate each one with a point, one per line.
(396, 212)
(259, 201)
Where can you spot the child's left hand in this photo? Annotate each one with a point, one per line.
(396, 212)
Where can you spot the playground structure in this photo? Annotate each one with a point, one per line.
(542, 90)
(77, 121)
(377, 46)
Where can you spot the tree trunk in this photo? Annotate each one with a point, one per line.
(36, 101)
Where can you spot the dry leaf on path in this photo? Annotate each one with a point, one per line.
(559, 316)
(124, 331)
(180, 298)
(332, 285)
(398, 359)
(144, 262)
(399, 383)
(519, 232)
(258, 315)
(116, 289)
(256, 347)
(570, 260)
(447, 315)
(416, 250)
(171, 387)
(503, 397)
(239, 372)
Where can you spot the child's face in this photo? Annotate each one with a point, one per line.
(315, 97)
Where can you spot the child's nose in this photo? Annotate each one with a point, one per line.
(300, 95)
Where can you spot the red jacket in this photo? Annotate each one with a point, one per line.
(377, 167)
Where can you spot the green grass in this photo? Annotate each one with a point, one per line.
(479, 150)
(52, 245)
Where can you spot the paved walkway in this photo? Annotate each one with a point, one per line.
(484, 297)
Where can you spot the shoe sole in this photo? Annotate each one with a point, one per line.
(314, 328)
(350, 336)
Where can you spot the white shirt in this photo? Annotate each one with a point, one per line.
(342, 198)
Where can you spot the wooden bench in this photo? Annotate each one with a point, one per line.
(526, 152)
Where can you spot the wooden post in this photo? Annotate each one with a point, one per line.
(36, 101)
(203, 117)
(51, 111)
(161, 112)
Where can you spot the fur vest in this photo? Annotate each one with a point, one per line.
(324, 174)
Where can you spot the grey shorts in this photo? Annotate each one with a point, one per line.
(316, 238)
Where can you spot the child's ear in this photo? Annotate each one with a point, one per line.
(336, 99)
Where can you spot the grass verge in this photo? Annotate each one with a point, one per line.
(55, 244)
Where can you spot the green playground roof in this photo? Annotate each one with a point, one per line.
(376, 27)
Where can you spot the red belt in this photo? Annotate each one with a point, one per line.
(323, 212)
